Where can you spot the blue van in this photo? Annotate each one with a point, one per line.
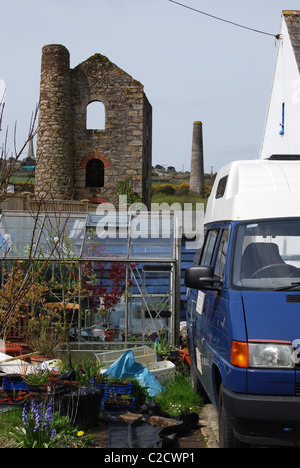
(243, 315)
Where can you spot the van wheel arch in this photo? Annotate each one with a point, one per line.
(217, 380)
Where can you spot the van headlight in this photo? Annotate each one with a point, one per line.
(271, 355)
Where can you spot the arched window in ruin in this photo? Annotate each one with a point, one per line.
(94, 173)
(95, 116)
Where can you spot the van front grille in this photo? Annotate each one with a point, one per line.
(293, 298)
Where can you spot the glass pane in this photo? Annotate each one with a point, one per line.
(267, 254)
(222, 254)
(19, 235)
(106, 236)
(62, 237)
(140, 325)
(100, 245)
(152, 237)
(151, 249)
(209, 246)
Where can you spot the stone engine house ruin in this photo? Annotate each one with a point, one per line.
(78, 163)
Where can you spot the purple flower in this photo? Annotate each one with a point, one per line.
(48, 420)
(25, 416)
(37, 423)
(37, 413)
(48, 416)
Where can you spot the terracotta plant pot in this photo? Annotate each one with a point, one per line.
(109, 335)
(37, 359)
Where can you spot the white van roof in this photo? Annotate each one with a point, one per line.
(257, 189)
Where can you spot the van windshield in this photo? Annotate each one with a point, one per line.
(267, 255)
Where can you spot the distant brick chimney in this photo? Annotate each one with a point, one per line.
(197, 165)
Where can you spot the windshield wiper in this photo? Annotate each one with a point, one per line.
(286, 288)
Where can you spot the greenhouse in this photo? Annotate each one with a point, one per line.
(123, 270)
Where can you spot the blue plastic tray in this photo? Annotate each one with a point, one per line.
(125, 389)
(14, 385)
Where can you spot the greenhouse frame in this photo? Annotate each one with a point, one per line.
(132, 257)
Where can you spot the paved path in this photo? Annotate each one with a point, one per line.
(209, 426)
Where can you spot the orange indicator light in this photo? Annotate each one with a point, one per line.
(239, 354)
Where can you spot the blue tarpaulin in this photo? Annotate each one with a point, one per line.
(126, 366)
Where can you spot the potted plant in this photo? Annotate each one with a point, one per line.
(119, 386)
(116, 402)
(161, 347)
(37, 381)
(166, 351)
(88, 372)
(44, 333)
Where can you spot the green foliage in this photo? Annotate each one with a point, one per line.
(36, 430)
(179, 398)
(165, 189)
(88, 372)
(126, 188)
(45, 331)
(162, 346)
(68, 436)
(140, 393)
(39, 377)
(8, 422)
(13, 434)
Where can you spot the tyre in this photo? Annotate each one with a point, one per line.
(227, 438)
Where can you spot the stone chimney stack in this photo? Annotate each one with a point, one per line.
(30, 153)
(54, 162)
(197, 165)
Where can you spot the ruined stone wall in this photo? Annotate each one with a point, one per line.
(123, 146)
(120, 145)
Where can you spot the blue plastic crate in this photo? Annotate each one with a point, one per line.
(14, 385)
(125, 389)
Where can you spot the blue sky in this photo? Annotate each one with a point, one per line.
(192, 66)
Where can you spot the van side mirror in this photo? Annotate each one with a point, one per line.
(202, 277)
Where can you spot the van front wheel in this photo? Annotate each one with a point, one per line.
(227, 438)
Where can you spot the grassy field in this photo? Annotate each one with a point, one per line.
(177, 190)
(182, 200)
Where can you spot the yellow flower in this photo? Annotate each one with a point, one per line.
(80, 433)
